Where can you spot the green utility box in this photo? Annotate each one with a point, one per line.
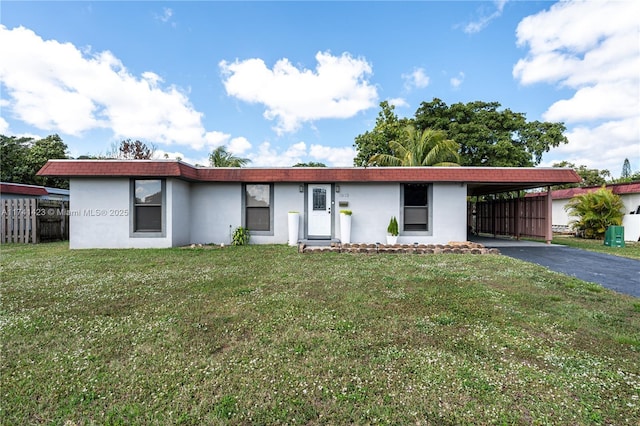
(614, 236)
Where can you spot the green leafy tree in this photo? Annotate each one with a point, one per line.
(13, 153)
(627, 175)
(310, 164)
(626, 169)
(590, 177)
(595, 212)
(388, 128)
(22, 158)
(489, 136)
(419, 148)
(220, 157)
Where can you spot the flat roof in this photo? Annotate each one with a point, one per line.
(479, 180)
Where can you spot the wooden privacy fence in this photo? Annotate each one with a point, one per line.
(516, 217)
(33, 221)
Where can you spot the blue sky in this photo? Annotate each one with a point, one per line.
(288, 82)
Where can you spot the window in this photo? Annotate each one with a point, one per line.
(319, 199)
(258, 212)
(416, 207)
(148, 208)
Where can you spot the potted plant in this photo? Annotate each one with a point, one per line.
(345, 226)
(294, 227)
(392, 231)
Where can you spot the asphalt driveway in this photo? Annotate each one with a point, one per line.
(614, 272)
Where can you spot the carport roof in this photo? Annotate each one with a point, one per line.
(479, 180)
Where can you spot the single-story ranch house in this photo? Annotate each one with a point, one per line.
(166, 203)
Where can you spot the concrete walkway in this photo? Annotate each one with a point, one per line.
(617, 273)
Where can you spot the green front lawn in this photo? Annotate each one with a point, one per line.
(631, 249)
(264, 335)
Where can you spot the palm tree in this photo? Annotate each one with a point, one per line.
(596, 211)
(220, 157)
(420, 148)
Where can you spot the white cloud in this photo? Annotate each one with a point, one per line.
(167, 13)
(486, 18)
(604, 146)
(603, 100)
(271, 157)
(457, 80)
(398, 102)
(337, 88)
(239, 145)
(336, 157)
(52, 86)
(416, 79)
(4, 126)
(268, 156)
(591, 48)
(177, 155)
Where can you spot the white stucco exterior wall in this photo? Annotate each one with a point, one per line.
(100, 212)
(87, 197)
(449, 207)
(631, 222)
(216, 210)
(286, 197)
(208, 212)
(559, 215)
(179, 202)
(373, 204)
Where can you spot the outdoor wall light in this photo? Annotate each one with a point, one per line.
(301, 188)
(337, 188)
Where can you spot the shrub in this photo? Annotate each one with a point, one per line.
(392, 229)
(595, 212)
(240, 236)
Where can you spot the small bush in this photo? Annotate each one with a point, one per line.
(392, 229)
(240, 236)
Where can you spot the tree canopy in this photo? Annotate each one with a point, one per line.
(487, 135)
(419, 148)
(220, 157)
(21, 158)
(310, 164)
(388, 128)
(590, 177)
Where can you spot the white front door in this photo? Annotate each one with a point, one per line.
(319, 210)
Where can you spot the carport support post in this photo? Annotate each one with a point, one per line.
(548, 232)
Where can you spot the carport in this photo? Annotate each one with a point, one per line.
(500, 209)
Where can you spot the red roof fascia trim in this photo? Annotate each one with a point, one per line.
(165, 168)
(617, 188)
(20, 189)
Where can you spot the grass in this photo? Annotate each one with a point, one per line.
(264, 335)
(630, 250)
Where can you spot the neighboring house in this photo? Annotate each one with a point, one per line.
(10, 191)
(165, 203)
(628, 192)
